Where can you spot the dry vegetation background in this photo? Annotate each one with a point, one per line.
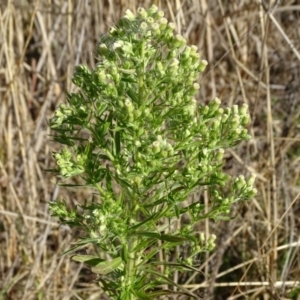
(253, 50)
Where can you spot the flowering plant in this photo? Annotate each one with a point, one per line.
(135, 133)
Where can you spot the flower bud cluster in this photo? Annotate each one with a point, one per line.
(175, 63)
(201, 244)
(103, 219)
(59, 209)
(150, 156)
(60, 115)
(161, 145)
(222, 127)
(66, 164)
(244, 189)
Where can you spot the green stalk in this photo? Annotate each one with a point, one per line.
(130, 267)
(133, 241)
(142, 73)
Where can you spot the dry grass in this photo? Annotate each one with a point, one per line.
(254, 56)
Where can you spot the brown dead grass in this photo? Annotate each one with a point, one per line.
(253, 53)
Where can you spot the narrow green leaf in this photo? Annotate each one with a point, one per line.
(154, 295)
(63, 140)
(151, 218)
(128, 71)
(171, 282)
(101, 110)
(70, 185)
(105, 127)
(83, 258)
(108, 180)
(82, 244)
(162, 237)
(117, 142)
(176, 265)
(106, 267)
(132, 95)
(148, 256)
(90, 260)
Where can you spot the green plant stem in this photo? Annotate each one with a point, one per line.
(142, 73)
(133, 241)
(131, 268)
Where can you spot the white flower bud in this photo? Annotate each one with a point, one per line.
(251, 180)
(153, 9)
(239, 182)
(174, 62)
(155, 26)
(220, 154)
(254, 191)
(144, 26)
(150, 20)
(129, 105)
(137, 143)
(202, 238)
(129, 15)
(163, 23)
(179, 41)
(245, 120)
(235, 109)
(194, 48)
(117, 45)
(202, 66)
(96, 212)
(212, 238)
(160, 14)
(171, 26)
(235, 121)
(113, 30)
(196, 86)
(156, 146)
(141, 11)
(244, 109)
(102, 46)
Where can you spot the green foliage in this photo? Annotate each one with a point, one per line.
(135, 133)
(294, 293)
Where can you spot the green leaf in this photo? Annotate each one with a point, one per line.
(144, 245)
(70, 185)
(176, 265)
(107, 267)
(101, 110)
(151, 218)
(155, 294)
(162, 237)
(132, 95)
(172, 283)
(82, 244)
(63, 140)
(108, 180)
(90, 260)
(117, 143)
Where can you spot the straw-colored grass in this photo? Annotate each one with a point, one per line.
(253, 49)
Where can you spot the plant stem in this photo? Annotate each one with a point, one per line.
(142, 73)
